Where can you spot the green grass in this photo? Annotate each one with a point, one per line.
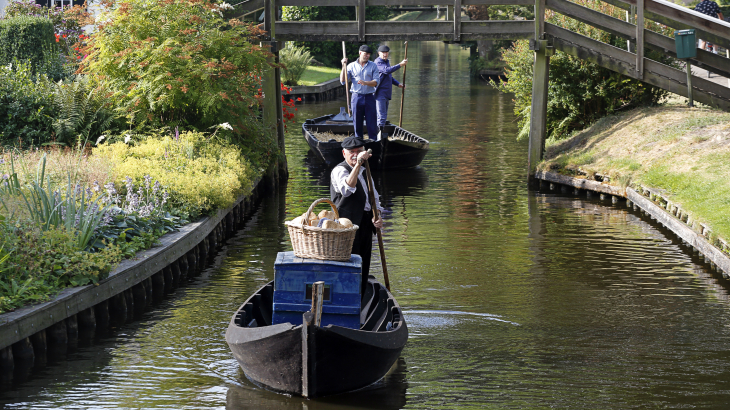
(314, 75)
(683, 152)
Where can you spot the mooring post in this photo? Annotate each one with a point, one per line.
(317, 294)
(540, 77)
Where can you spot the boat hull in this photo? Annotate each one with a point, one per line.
(407, 150)
(314, 361)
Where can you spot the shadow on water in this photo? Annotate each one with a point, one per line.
(387, 394)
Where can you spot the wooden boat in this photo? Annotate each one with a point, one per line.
(315, 361)
(401, 149)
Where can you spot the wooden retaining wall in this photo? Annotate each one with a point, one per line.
(326, 91)
(714, 251)
(129, 290)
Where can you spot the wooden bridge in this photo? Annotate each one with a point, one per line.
(545, 39)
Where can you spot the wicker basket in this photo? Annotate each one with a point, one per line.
(319, 243)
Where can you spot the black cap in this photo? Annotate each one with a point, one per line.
(366, 48)
(384, 49)
(352, 142)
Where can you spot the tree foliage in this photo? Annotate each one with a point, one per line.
(178, 62)
(329, 53)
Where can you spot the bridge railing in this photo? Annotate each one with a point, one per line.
(635, 64)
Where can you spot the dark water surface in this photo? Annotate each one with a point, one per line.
(514, 299)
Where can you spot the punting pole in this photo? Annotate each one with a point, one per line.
(403, 90)
(347, 87)
(376, 212)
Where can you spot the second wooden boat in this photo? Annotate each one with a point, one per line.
(401, 149)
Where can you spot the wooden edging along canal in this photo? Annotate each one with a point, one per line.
(328, 90)
(714, 250)
(127, 292)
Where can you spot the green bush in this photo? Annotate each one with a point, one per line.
(294, 61)
(24, 38)
(82, 111)
(40, 263)
(579, 92)
(201, 173)
(26, 106)
(178, 63)
(329, 53)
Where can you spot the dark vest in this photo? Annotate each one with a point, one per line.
(351, 207)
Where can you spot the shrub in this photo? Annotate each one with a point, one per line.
(579, 92)
(294, 61)
(82, 111)
(24, 38)
(40, 263)
(26, 106)
(329, 53)
(201, 173)
(177, 63)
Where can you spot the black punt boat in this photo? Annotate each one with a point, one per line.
(401, 149)
(315, 361)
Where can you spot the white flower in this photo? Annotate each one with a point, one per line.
(100, 139)
(225, 6)
(127, 138)
(226, 126)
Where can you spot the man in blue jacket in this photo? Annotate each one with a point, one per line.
(384, 91)
(364, 79)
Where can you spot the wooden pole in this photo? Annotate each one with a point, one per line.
(689, 84)
(347, 87)
(376, 212)
(403, 90)
(640, 39)
(317, 294)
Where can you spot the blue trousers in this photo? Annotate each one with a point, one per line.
(363, 109)
(382, 105)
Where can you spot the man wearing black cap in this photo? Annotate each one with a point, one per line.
(383, 93)
(364, 77)
(348, 190)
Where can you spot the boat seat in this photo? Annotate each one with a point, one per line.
(377, 314)
(386, 317)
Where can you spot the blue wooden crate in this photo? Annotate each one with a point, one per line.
(293, 279)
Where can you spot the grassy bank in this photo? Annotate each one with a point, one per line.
(314, 75)
(682, 151)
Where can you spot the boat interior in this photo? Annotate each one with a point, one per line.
(378, 313)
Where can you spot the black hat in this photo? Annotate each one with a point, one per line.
(352, 142)
(383, 49)
(366, 48)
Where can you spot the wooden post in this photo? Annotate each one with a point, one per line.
(640, 39)
(540, 77)
(271, 84)
(457, 20)
(317, 294)
(360, 15)
(449, 13)
(630, 18)
(689, 84)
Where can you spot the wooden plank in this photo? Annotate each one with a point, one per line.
(360, 20)
(539, 18)
(640, 39)
(507, 29)
(323, 3)
(580, 183)
(268, 23)
(709, 61)
(457, 20)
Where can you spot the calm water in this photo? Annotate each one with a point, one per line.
(513, 299)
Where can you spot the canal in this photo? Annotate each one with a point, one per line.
(513, 299)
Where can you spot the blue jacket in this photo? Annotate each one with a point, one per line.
(385, 86)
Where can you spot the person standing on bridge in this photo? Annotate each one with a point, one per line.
(710, 8)
(364, 77)
(384, 93)
(349, 192)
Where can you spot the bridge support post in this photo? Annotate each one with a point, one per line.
(538, 113)
(273, 115)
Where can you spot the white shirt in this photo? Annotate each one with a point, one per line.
(339, 177)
